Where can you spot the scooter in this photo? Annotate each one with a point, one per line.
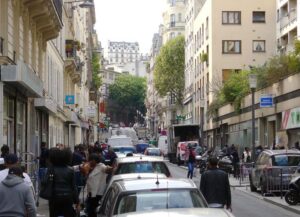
(292, 197)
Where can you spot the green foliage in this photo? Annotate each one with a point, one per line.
(297, 47)
(129, 91)
(169, 69)
(96, 79)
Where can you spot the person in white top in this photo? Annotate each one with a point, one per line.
(95, 183)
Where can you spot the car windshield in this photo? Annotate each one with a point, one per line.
(124, 149)
(143, 167)
(285, 160)
(153, 152)
(158, 199)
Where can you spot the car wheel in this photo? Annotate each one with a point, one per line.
(291, 198)
(252, 187)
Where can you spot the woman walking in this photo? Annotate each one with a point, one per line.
(64, 187)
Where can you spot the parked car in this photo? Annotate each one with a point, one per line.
(183, 212)
(273, 170)
(140, 164)
(153, 152)
(148, 195)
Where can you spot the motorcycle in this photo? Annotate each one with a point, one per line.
(292, 197)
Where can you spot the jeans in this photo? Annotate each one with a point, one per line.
(42, 173)
(190, 170)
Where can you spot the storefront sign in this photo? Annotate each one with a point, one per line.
(91, 111)
(291, 119)
(70, 100)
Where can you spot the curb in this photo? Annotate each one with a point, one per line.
(289, 208)
(286, 207)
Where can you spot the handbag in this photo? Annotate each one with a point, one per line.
(47, 185)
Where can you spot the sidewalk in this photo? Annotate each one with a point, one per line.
(43, 209)
(245, 188)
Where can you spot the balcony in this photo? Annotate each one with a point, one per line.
(46, 104)
(288, 20)
(71, 116)
(73, 64)
(47, 15)
(23, 78)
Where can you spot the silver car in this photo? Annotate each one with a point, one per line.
(148, 195)
(184, 212)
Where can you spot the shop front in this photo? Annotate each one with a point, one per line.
(291, 124)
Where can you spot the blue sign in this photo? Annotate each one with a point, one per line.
(70, 100)
(266, 101)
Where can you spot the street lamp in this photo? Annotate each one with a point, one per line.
(253, 85)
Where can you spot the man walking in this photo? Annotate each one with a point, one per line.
(16, 197)
(215, 186)
(11, 160)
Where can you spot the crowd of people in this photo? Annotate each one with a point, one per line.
(86, 166)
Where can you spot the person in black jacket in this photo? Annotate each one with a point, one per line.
(65, 193)
(215, 187)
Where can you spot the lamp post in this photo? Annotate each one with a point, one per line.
(253, 85)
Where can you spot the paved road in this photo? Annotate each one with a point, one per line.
(244, 205)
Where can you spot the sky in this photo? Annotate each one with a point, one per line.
(128, 20)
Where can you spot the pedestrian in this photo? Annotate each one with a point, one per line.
(11, 160)
(4, 151)
(17, 199)
(191, 163)
(95, 183)
(65, 193)
(235, 160)
(246, 156)
(215, 187)
(43, 160)
(78, 159)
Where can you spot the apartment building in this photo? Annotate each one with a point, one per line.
(25, 31)
(228, 38)
(44, 73)
(172, 26)
(287, 25)
(122, 52)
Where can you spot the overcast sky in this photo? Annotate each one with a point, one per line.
(128, 20)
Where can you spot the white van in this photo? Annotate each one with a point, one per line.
(120, 140)
(163, 144)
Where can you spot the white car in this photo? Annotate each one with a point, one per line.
(134, 176)
(130, 196)
(183, 212)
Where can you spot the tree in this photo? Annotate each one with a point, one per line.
(96, 79)
(169, 69)
(129, 92)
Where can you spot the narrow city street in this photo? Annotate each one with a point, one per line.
(243, 205)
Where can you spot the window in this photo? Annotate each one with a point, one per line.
(172, 20)
(206, 29)
(231, 17)
(179, 17)
(259, 46)
(172, 2)
(259, 17)
(231, 47)
(1, 45)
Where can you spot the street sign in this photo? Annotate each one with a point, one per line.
(70, 100)
(266, 101)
